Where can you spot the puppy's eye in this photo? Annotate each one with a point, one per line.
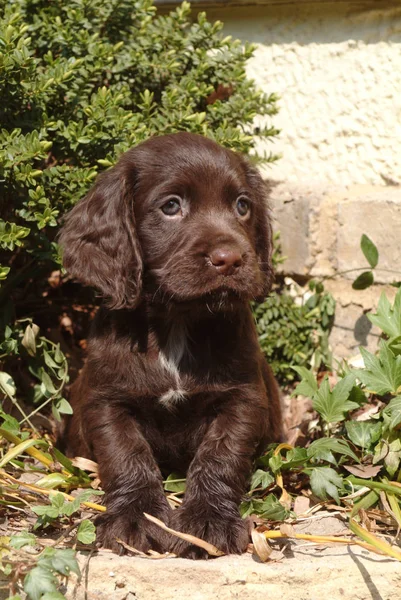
(242, 206)
(172, 207)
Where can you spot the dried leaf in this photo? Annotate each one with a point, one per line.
(287, 530)
(301, 505)
(260, 546)
(363, 471)
(85, 464)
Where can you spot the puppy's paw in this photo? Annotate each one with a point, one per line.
(133, 529)
(230, 535)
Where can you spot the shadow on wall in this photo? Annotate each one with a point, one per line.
(312, 23)
(362, 329)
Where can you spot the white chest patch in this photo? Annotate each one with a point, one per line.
(170, 358)
(172, 397)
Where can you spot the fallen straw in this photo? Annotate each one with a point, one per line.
(210, 549)
(39, 490)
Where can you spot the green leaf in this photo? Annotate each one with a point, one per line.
(57, 500)
(61, 560)
(19, 449)
(395, 345)
(49, 361)
(388, 317)
(29, 339)
(393, 410)
(382, 374)
(22, 539)
(325, 482)
(43, 510)
(7, 384)
(53, 596)
(363, 281)
(364, 433)
(308, 385)
(51, 481)
(332, 405)
(268, 508)
(294, 458)
(261, 479)
(388, 450)
(323, 448)
(38, 582)
(48, 384)
(64, 407)
(86, 533)
(175, 483)
(370, 251)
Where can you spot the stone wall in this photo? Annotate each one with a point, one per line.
(320, 230)
(337, 68)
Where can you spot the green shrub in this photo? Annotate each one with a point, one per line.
(81, 82)
(294, 329)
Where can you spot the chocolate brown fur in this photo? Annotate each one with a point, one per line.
(174, 379)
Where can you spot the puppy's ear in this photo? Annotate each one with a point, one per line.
(99, 242)
(264, 236)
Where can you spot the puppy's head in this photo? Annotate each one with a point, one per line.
(179, 218)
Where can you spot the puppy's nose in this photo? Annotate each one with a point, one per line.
(225, 260)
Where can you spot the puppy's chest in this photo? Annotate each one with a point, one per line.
(177, 382)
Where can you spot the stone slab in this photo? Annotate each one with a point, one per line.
(305, 573)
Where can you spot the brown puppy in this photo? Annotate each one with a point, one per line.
(177, 237)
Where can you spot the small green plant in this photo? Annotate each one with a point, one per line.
(371, 253)
(368, 448)
(293, 327)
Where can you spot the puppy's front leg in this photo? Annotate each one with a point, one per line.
(131, 480)
(217, 479)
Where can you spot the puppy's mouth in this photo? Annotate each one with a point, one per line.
(204, 287)
(222, 298)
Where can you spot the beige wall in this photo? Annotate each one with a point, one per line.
(337, 68)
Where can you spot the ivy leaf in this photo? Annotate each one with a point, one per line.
(364, 433)
(323, 449)
(393, 410)
(22, 539)
(363, 281)
(268, 508)
(45, 511)
(382, 374)
(325, 482)
(261, 479)
(52, 481)
(29, 339)
(388, 450)
(388, 317)
(47, 384)
(7, 384)
(332, 405)
(64, 407)
(38, 582)
(86, 533)
(61, 560)
(294, 458)
(308, 385)
(370, 251)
